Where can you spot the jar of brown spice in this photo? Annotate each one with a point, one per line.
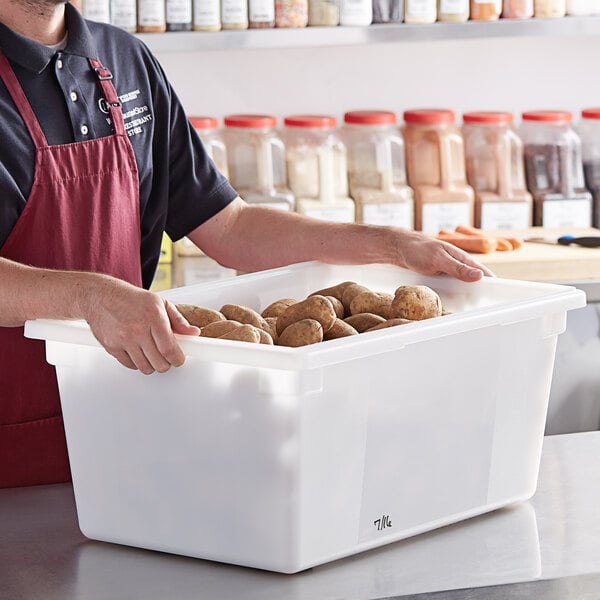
(554, 170)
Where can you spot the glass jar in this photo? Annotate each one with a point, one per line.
(517, 9)
(377, 169)
(323, 13)
(316, 168)
(388, 11)
(549, 9)
(494, 162)
(261, 14)
(256, 160)
(356, 12)
(582, 8)
(453, 11)
(234, 14)
(206, 15)
(554, 170)
(420, 11)
(485, 10)
(435, 167)
(589, 133)
(291, 13)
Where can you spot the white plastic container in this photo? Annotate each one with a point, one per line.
(286, 458)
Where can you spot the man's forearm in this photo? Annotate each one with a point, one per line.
(29, 293)
(261, 238)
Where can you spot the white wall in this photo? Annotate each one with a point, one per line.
(513, 73)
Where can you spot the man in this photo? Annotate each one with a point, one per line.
(97, 159)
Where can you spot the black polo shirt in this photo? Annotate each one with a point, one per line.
(180, 187)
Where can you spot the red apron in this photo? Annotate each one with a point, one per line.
(82, 214)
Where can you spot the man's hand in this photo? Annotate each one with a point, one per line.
(135, 326)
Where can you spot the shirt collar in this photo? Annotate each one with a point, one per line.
(35, 56)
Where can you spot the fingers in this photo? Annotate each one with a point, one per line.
(178, 322)
(463, 266)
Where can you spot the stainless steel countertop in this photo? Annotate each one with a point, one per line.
(552, 541)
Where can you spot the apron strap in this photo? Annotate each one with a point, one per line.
(104, 77)
(18, 95)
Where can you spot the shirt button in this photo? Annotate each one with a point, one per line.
(84, 130)
(59, 64)
(73, 96)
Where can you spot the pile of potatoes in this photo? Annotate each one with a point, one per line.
(342, 310)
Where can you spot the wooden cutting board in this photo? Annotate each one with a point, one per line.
(546, 262)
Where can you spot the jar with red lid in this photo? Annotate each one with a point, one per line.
(589, 133)
(377, 169)
(554, 170)
(494, 162)
(316, 167)
(435, 168)
(256, 160)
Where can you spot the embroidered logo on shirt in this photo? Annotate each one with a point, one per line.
(135, 117)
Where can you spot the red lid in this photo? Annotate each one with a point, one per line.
(322, 121)
(503, 118)
(429, 115)
(548, 116)
(370, 117)
(204, 122)
(250, 121)
(591, 113)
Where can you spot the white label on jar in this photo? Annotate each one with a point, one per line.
(497, 3)
(454, 7)
(421, 9)
(444, 215)
(573, 212)
(395, 214)
(234, 12)
(179, 11)
(207, 13)
(505, 215)
(97, 10)
(341, 214)
(261, 11)
(123, 14)
(151, 13)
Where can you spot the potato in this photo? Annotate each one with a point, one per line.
(199, 315)
(415, 302)
(301, 333)
(265, 338)
(243, 314)
(336, 290)
(218, 328)
(363, 321)
(272, 327)
(338, 330)
(314, 307)
(337, 306)
(276, 308)
(377, 303)
(349, 294)
(390, 323)
(243, 333)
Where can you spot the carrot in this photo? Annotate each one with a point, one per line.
(468, 230)
(468, 243)
(503, 244)
(516, 242)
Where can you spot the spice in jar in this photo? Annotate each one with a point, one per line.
(420, 11)
(291, 13)
(261, 14)
(179, 15)
(517, 9)
(207, 15)
(389, 11)
(323, 13)
(554, 170)
(494, 162)
(549, 9)
(453, 11)
(256, 160)
(435, 167)
(316, 168)
(152, 17)
(485, 10)
(589, 132)
(234, 14)
(376, 169)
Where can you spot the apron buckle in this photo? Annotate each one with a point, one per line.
(103, 73)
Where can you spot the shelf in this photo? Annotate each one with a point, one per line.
(189, 41)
